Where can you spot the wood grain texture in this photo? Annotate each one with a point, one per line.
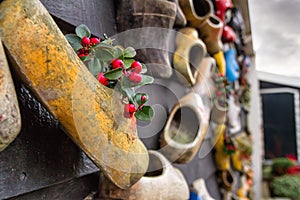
(86, 109)
(75, 189)
(42, 155)
(99, 16)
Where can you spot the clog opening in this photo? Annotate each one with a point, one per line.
(202, 8)
(184, 126)
(227, 178)
(155, 167)
(195, 55)
(214, 20)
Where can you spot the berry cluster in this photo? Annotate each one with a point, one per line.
(114, 67)
(223, 89)
(87, 43)
(133, 73)
(229, 147)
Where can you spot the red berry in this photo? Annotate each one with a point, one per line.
(135, 77)
(117, 63)
(129, 109)
(81, 55)
(102, 79)
(85, 41)
(144, 98)
(136, 67)
(81, 51)
(94, 41)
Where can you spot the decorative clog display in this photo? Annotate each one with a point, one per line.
(10, 118)
(47, 64)
(189, 54)
(162, 181)
(185, 129)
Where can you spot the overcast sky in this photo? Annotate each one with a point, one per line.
(276, 35)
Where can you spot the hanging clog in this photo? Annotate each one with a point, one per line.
(204, 85)
(232, 67)
(233, 115)
(180, 20)
(196, 11)
(201, 189)
(221, 7)
(236, 22)
(147, 24)
(10, 118)
(49, 67)
(162, 181)
(185, 129)
(189, 53)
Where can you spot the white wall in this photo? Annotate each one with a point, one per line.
(255, 127)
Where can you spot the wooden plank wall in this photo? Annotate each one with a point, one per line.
(43, 162)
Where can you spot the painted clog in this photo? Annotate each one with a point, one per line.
(236, 22)
(221, 7)
(10, 118)
(147, 25)
(222, 159)
(188, 55)
(185, 129)
(232, 67)
(233, 115)
(228, 35)
(50, 68)
(220, 61)
(162, 181)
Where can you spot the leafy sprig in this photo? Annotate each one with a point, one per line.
(115, 67)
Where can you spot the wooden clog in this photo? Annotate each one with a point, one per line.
(188, 55)
(162, 181)
(196, 11)
(210, 32)
(10, 118)
(50, 68)
(152, 45)
(185, 129)
(204, 85)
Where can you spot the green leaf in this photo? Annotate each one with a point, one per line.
(104, 54)
(118, 51)
(76, 46)
(129, 52)
(94, 66)
(144, 68)
(127, 63)
(129, 92)
(138, 98)
(73, 38)
(114, 74)
(145, 114)
(125, 82)
(83, 31)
